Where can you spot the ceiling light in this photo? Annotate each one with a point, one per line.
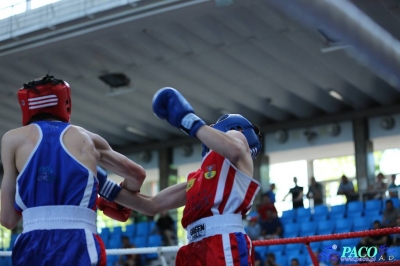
(115, 92)
(115, 80)
(336, 95)
(136, 131)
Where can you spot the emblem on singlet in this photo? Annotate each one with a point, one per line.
(198, 231)
(45, 173)
(210, 171)
(190, 183)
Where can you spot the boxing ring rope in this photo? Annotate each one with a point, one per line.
(306, 240)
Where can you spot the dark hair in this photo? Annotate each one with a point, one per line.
(295, 259)
(389, 201)
(42, 116)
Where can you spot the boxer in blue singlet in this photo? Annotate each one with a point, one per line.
(51, 181)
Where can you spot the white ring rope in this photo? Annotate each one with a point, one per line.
(123, 251)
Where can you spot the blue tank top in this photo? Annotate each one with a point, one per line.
(52, 175)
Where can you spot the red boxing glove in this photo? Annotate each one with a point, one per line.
(113, 210)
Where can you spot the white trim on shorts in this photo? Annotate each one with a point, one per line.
(59, 217)
(214, 225)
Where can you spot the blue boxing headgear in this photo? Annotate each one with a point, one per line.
(237, 122)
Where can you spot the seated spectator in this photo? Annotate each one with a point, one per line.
(315, 192)
(129, 259)
(374, 241)
(265, 206)
(393, 188)
(257, 259)
(253, 229)
(346, 188)
(378, 189)
(272, 227)
(271, 260)
(390, 214)
(270, 193)
(316, 253)
(396, 238)
(166, 227)
(295, 262)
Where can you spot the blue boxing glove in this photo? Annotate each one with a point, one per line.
(170, 105)
(108, 189)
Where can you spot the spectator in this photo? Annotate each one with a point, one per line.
(396, 237)
(129, 259)
(253, 229)
(316, 253)
(315, 192)
(377, 190)
(393, 193)
(390, 214)
(271, 260)
(346, 188)
(295, 262)
(272, 227)
(271, 192)
(257, 258)
(265, 206)
(166, 227)
(374, 241)
(297, 195)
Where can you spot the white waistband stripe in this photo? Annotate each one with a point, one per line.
(214, 225)
(59, 217)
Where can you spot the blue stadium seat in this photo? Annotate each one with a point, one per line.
(154, 241)
(320, 212)
(299, 256)
(315, 246)
(288, 216)
(302, 213)
(262, 250)
(307, 229)
(129, 230)
(373, 205)
(330, 243)
(114, 243)
(349, 242)
(140, 241)
(291, 230)
(337, 212)
(361, 224)
(281, 260)
(142, 229)
(276, 249)
(343, 226)
(111, 260)
(293, 248)
(325, 227)
(355, 209)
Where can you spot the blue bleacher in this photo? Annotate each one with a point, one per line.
(129, 230)
(262, 250)
(349, 242)
(303, 215)
(373, 205)
(325, 227)
(337, 212)
(291, 230)
(361, 224)
(343, 226)
(320, 212)
(276, 249)
(288, 216)
(355, 209)
(308, 229)
(142, 229)
(293, 248)
(315, 246)
(154, 241)
(140, 241)
(396, 203)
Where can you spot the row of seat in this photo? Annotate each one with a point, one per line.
(324, 227)
(350, 210)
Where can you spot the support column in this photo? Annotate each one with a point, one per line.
(261, 172)
(364, 157)
(164, 164)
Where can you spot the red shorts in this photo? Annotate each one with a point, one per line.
(232, 249)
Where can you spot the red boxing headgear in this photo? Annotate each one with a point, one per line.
(47, 95)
